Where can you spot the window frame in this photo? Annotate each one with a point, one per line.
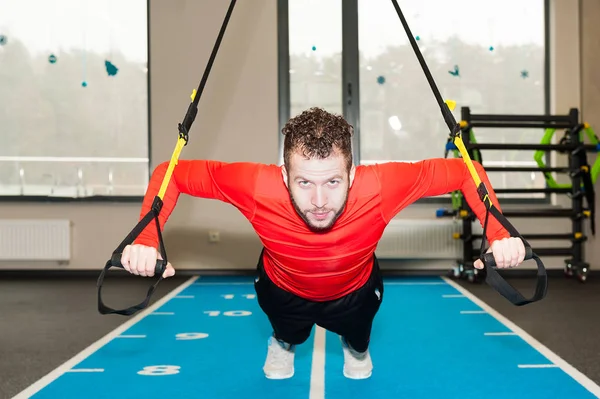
(350, 76)
(104, 198)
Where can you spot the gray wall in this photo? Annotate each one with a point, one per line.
(183, 33)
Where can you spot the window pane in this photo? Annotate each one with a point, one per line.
(498, 49)
(315, 49)
(74, 89)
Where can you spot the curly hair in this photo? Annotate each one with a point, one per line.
(317, 134)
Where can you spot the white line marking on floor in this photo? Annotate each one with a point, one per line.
(161, 314)
(185, 297)
(131, 336)
(551, 356)
(317, 371)
(453, 296)
(499, 333)
(85, 371)
(413, 283)
(473, 312)
(245, 283)
(69, 364)
(537, 366)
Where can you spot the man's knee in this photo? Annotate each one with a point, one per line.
(357, 334)
(292, 336)
(358, 345)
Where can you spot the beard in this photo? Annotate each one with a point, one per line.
(321, 227)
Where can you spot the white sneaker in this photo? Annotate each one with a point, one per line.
(357, 366)
(280, 360)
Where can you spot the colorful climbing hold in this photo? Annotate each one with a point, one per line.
(491, 48)
(111, 69)
(84, 84)
(314, 48)
(52, 59)
(524, 74)
(381, 80)
(418, 38)
(2, 40)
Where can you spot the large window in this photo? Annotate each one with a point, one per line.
(74, 98)
(490, 57)
(315, 55)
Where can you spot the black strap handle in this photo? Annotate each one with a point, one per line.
(489, 259)
(493, 278)
(159, 269)
(115, 261)
(183, 128)
(496, 281)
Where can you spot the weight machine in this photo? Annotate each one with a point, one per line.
(581, 187)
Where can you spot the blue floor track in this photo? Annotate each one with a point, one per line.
(208, 340)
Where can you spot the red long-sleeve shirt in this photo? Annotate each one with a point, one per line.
(327, 265)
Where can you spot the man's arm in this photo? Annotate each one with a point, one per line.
(403, 183)
(228, 182)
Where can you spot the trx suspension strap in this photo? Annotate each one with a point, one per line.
(493, 278)
(184, 128)
(585, 170)
(588, 189)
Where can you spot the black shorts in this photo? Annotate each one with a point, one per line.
(293, 317)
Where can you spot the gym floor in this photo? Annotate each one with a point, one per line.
(205, 336)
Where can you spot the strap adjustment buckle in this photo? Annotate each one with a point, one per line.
(482, 191)
(157, 205)
(183, 133)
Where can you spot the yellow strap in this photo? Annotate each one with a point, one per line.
(174, 159)
(467, 159)
(465, 155)
(451, 104)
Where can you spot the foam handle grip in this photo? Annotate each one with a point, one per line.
(488, 258)
(159, 268)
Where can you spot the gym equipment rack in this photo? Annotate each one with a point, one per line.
(578, 170)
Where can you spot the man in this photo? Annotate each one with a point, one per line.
(319, 218)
